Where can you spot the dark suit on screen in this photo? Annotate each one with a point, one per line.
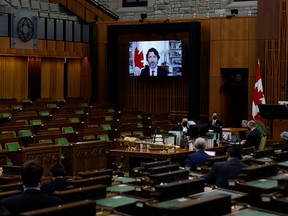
(160, 71)
(223, 171)
(30, 199)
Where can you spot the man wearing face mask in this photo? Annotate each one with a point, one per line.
(253, 138)
(216, 125)
(214, 122)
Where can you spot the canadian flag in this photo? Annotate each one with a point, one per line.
(258, 95)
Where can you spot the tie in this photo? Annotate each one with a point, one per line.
(152, 72)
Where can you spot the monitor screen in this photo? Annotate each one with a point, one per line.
(155, 58)
(198, 130)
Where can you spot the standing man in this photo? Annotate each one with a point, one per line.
(214, 122)
(152, 69)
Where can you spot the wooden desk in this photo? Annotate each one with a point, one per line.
(3, 157)
(236, 132)
(84, 156)
(138, 156)
(46, 155)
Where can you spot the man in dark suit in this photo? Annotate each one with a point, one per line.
(254, 138)
(214, 122)
(222, 172)
(198, 158)
(152, 69)
(57, 183)
(216, 125)
(32, 198)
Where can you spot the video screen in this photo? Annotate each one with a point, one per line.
(155, 58)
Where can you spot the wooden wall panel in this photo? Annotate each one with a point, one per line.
(215, 58)
(13, 77)
(235, 48)
(60, 47)
(268, 12)
(235, 28)
(86, 79)
(86, 50)
(77, 8)
(4, 43)
(234, 54)
(52, 78)
(70, 47)
(215, 28)
(74, 78)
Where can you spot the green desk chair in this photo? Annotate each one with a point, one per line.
(138, 133)
(111, 110)
(80, 112)
(106, 126)
(62, 141)
(16, 107)
(74, 120)
(89, 137)
(103, 137)
(67, 130)
(52, 106)
(6, 115)
(36, 122)
(127, 133)
(12, 146)
(262, 142)
(83, 104)
(25, 133)
(108, 118)
(45, 141)
(44, 113)
(11, 134)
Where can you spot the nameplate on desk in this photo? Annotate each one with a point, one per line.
(138, 189)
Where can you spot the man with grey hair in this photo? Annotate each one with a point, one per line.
(284, 139)
(254, 138)
(198, 158)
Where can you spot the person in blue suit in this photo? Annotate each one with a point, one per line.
(198, 158)
(57, 183)
(222, 172)
(32, 197)
(254, 138)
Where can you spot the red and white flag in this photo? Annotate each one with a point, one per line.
(258, 95)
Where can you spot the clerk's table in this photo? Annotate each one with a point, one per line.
(138, 156)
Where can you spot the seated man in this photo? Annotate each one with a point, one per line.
(223, 171)
(32, 198)
(284, 139)
(253, 138)
(57, 183)
(183, 126)
(244, 124)
(198, 158)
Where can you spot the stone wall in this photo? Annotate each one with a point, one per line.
(159, 9)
